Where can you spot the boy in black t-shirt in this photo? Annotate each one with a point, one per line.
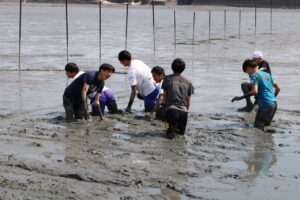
(177, 99)
(75, 95)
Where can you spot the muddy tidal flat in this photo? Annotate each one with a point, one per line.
(126, 156)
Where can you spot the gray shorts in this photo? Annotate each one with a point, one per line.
(264, 116)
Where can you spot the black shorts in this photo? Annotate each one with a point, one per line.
(177, 119)
(264, 116)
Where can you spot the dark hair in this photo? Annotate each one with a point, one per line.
(124, 55)
(158, 70)
(178, 65)
(71, 67)
(106, 67)
(249, 63)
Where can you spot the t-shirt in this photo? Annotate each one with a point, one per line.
(266, 95)
(76, 76)
(264, 66)
(178, 88)
(139, 74)
(74, 90)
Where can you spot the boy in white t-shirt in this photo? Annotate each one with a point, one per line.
(141, 80)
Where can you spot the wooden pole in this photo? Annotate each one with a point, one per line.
(271, 17)
(126, 30)
(67, 31)
(153, 23)
(209, 24)
(225, 24)
(20, 34)
(175, 29)
(100, 31)
(240, 23)
(194, 19)
(255, 20)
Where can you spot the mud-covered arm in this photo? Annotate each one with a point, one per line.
(158, 103)
(97, 104)
(253, 92)
(84, 99)
(131, 99)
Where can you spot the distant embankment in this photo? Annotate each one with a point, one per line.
(244, 3)
(235, 3)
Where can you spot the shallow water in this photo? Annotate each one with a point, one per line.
(221, 156)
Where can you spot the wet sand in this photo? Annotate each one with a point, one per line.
(127, 157)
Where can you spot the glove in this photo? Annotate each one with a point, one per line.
(236, 99)
(139, 96)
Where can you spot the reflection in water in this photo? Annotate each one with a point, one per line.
(263, 157)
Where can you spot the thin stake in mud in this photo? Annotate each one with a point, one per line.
(255, 12)
(240, 23)
(193, 37)
(194, 19)
(67, 31)
(225, 24)
(175, 29)
(100, 30)
(209, 24)
(271, 16)
(20, 34)
(153, 23)
(126, 29)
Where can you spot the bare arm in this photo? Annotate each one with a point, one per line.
(277, 89)
(165, 98)
(131, 99)
(84, 99)
(188, 101)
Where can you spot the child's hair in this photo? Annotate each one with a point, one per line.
(71, 67)
(106, 67)
(178, 65)
(124, 55)
(249, 63)
(158, 70)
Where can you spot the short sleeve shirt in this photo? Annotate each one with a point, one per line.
(139, 74)
(266, 95)
(178, 88)
(74, 90)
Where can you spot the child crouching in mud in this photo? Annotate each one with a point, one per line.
(176, 99)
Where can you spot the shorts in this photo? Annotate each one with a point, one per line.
(264, 116)
(150, 100)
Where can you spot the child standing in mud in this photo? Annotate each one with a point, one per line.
(177, 99)
(263, 65)
(75, 95)
(262, 86)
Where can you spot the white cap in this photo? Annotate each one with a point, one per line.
(257, 54)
